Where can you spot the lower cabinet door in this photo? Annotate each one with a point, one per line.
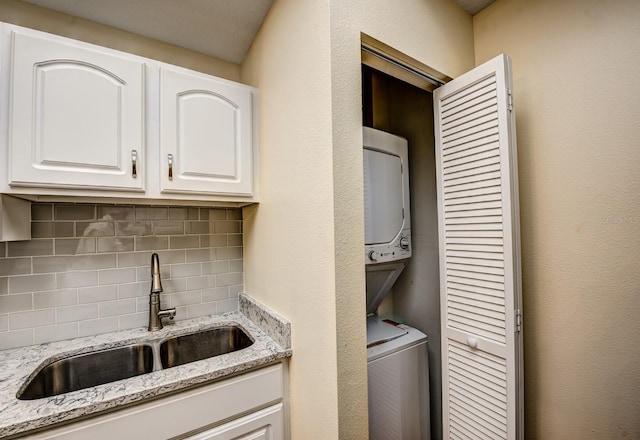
(265, 424)
(229, 404)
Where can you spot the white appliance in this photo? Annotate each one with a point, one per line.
(380, 280)
(387, 214)
(397, 365)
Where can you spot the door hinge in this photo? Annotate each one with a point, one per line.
(509, 100)
(518, 318)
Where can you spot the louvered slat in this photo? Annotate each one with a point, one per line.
(495, 280)
(473, 322)
(491, 397)
(491, 135)
(478, 174)
(487, 414)
(486, 220)
(470, 165)
(475, 132)
(462, 284)
(492, 227)
(484, 143)
(471, 108)
(480, 273)
(488, 212)
(474, 413)
(461, 430)
(478, 187)
(473, 201)
(461, 303)
(482, 257)
(470, 129)
(477, 296)
(472, 156)
(482, 381)
(458, 101)
(491, 413)
(477, 315)
(482, 303)
(475, 263)
(471, 181)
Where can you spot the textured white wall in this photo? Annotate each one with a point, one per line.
(576, 67)
(303, 243)
(290, 236)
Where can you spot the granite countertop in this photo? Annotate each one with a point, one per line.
(270, 332)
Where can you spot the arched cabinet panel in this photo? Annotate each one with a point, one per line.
(205, 134)
(76, 116)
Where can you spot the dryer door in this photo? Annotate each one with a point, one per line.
(383, 196)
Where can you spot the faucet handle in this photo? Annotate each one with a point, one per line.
(167, 313)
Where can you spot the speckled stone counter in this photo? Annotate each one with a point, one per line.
(270, 332)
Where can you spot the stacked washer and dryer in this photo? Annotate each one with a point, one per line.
(397, 362)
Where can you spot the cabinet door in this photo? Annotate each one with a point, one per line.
(260, 425)
(205, 134)
(76, 115)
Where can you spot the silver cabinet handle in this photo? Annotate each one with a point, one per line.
(170, 158)
(134, 163)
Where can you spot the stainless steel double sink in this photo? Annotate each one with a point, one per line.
(99, 367)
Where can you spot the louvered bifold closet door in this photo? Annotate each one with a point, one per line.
(479, 255)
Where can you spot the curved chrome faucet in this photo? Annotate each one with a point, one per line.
(155, 310)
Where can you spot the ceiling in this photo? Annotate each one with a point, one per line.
(473, 6)
(223, 29)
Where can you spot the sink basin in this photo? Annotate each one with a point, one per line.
(88, 370)
(193, 347)
(99, 367)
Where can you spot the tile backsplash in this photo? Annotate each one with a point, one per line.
(86, 269)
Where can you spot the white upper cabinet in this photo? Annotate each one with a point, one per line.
(91, 123)
(76, 115)
(205, 134)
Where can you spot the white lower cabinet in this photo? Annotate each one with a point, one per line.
(261, 425)
(249, 406)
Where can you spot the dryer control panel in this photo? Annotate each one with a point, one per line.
(398, 249)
